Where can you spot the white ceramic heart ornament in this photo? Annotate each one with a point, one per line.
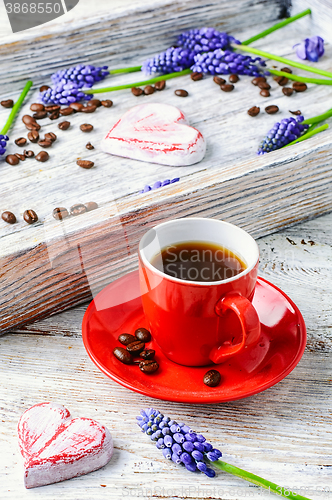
(56, 446)
(156, 133)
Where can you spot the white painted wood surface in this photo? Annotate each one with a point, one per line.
(283, 434)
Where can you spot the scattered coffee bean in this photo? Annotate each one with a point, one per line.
(20, 157)
(12, 160)
(181, 93)
(33, 136)
(21, 141)
(212, 378)
(107, 103)
(143, 334)
(32, 126)
(54, 115)
(286, 70)
(227, 87)
(299, 86)
(264, 85)
(28, 119)
(160, 85)
(86, 127)
(89, 109)
(8, 217)
(253, 111)
(78, 209)
(272, 109)
(43, 88)
(8, 103)
(36, 106)
(137, 91)
(148, 90)
(135, 347)
(287, 91)
(195, 76)
(29, 153)
(297, 112)
(255, 81)
(76, 106)
(89, 146)
(64, 125)
(52, 107)
(126, 338)
(91, 205)
(85, 163)
(218, 80)
(50, 136)
(30, 216)
(233, 78)
(39, 115)
(281, 80)
(42, 156)
(94, 102)
(123, 355)
(66, 111)
(148, 354)
(265, 93)
(148, 366)
(60, 213)
(44, 143)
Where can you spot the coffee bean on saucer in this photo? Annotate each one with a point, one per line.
(161, 84)
(85, 163)
(297, 112)
(196, 76)
(44, 143)
(92, 205)
(253, 111)
(148, 366)
(89, 146)
(20, 157)
(136, 91)
(272, 109)
(33, 136)
(218, 80)
(264, 85)
(42, 156)
(7, 103)
(77, 209)
(212, 378)
(143, 334)
(52, 107)
(255, 81)
(29, 153)
(265, 93)
(299, 86)
(60, 213)
(50, 136)
(181, 93)
(288, 91)
(77, 106)
(12, 160)
(89, 109)
(123, 355)
(86, 127)
(107, 103)
(148, 354)
(39, 115)
(66, 111)
(64, 125)
(126, 338)
(21, 141)
(8, 217)
(94, 102)
(227, 87)
(148, 90)
(43, 88)
(233, 78)
(30, 216)
(135, 347)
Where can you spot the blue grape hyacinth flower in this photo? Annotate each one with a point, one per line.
(223, 62)
(172, 60)
(3, 143)
(311, 48)
(64, 93)
(86, 75)
(281, 134)
(205, 40)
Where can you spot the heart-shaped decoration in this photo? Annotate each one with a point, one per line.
(56, 446)
(155, 133)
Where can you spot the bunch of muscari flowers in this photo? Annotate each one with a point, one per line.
(282, 133)
(223, 62)
(3, 143)
(178, 442)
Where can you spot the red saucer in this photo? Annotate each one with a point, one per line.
(118, 309)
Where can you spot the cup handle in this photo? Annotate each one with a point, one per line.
(250, 325)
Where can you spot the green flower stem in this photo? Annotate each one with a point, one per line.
(318, 118)
(131, 69)
(259, 481)
(290, 76)
(307, 135)
(283, 60)
(16, 107)
(276, 27)
(136, 84)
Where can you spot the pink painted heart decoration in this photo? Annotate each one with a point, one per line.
(155, 133)
(56, 446)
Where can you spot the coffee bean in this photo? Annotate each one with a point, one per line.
(60, 213)
(20, 157)
(77, 209)
(28, 119)
(66, 111)
(28, 154)
(39, 115)
(86, 127)
(160, 85)
(43, 88)
(196, 76)
(287, 91)
(8, 103)
(281, 80)
(233, 78)
(12, 160)
(297, 112)
(218, 80)
(33, 126)
(42, 156)
(286, 70)
(94, 102)
(52, 107)
(227, 87)
(148, 90)
(137, 91)
(212, 378)
(44, 143)
(148, 366)
(265, 93)
(54, 115)
(21, 141)
(126, 338)
(255, 81)
(135, 347)
(299, 86)
(33, 136)
(50, 136)
(8, 217)
(253, 111)
(30, 216)
(148, 354)
(76, 106)
(107, 103)
(36, 106)
(89, 146)
(271, 110)
(143, 334)
(91, 205)
(264, 85)
(89, 109)
(181, 93)
(85, 163)
(123, 355)
(64, 125)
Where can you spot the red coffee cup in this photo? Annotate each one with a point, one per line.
(196, 323)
